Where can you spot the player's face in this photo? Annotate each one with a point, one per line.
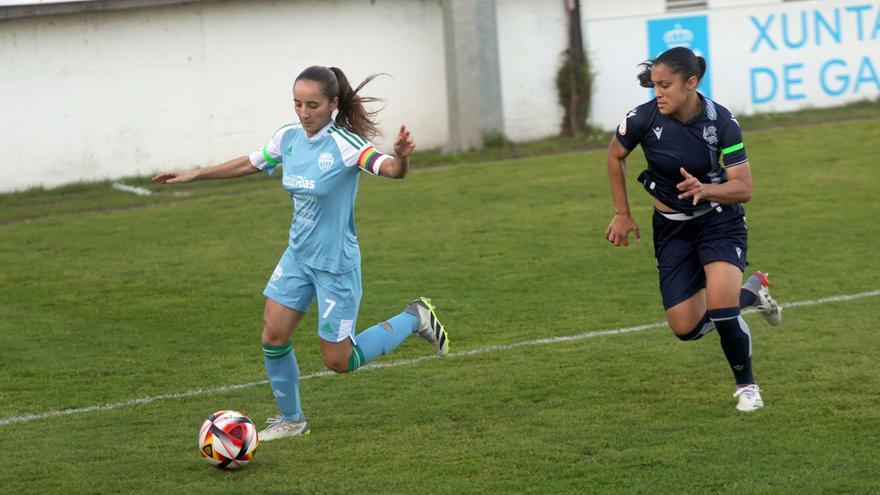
(670, 89)
(312, 107)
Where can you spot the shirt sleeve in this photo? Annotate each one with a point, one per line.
(632, 128)
(358, 152)
(269, 156)
(733, 151)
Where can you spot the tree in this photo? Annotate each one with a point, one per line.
(574, 80)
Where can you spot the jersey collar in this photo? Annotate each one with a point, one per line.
(323, 132)
(702, 115)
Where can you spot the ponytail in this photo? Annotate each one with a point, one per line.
(701, 62)
(680, 60)
(351, 113)
(644, 76)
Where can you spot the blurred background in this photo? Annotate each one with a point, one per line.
(103, 89)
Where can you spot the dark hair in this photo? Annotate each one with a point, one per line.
(351, 113)
(680, 60)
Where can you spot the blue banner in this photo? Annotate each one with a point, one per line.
(690, 32)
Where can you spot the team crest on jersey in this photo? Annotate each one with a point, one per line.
(325, 161)
(277, 273)
(709, 135)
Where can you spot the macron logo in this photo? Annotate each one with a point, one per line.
(657, 132)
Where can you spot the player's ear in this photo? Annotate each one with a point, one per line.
(334, 103)
(691, 83)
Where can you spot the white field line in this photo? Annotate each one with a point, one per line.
(140, 191)
(27, 418)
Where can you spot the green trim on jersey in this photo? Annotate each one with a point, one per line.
(346, 138)
(354, 136)
(731, 149)
(353, 139)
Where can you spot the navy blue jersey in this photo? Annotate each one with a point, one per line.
(699, 145)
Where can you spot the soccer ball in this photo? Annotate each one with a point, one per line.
(227, 439)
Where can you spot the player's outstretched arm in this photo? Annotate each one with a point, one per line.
(623, 223)
(398, 166)
(237, 167)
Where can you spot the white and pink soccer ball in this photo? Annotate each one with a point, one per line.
(227, 439)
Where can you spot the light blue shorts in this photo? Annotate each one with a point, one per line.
(295, 285)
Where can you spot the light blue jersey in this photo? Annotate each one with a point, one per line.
(321, 175)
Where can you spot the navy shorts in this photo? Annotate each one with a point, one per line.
(683, 247)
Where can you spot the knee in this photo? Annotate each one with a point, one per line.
(681, 331)
(684, 336)
(336, 364)
(685, 326)
(685, 331)
(272, 334)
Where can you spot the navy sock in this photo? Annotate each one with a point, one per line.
(736, 341)
(703, 327)
(749, 292)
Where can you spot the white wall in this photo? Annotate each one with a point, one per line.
(531, 38)
(128, 92)
(752, 67)
(119, 93)
(605, 9)
(723, 4)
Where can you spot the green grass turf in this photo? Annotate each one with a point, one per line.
(99, 196)
(138, 300)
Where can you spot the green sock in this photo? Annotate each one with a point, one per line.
(356, 360)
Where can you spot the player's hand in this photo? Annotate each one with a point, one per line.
(691, 187)
(175, 177)
(404, 144)
(618, 230)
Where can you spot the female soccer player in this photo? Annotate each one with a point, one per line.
(699, 223)
(321, 160)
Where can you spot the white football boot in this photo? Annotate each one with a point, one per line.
(430, 327)
(280, 428)
(766, 305)
(749, 398)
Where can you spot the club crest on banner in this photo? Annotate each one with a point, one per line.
(689, 32)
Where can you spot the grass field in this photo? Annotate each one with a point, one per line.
(107, 297)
